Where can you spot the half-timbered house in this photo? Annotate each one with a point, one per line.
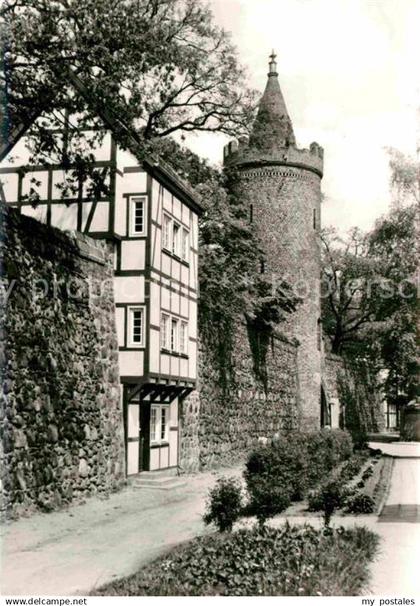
(151, 217)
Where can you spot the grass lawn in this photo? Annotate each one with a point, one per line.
(291, 560)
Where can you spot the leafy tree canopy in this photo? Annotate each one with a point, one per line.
(369, 302)
(405, 178)
(394, 244)
(349, 274)
(156, 66)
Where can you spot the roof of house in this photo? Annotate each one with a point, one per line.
(153, 164)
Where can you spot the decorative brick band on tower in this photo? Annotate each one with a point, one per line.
(282, 185)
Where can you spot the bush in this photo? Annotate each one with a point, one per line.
(293, 464)
(339, 445)
(367, 473)
(360, 503)
(331, 498)
(325, 450)
(352, 467)
(287, 561)
(315, 501)
(266, 500)
(224, 505)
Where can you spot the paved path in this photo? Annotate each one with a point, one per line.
(395, 572)
(71, 552)
(405, 450)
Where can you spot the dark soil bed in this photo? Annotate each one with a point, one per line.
(375, 486)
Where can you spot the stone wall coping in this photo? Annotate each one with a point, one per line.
(90, 249)
(86, 246)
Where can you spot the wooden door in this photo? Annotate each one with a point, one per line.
(133, 438)
(144, 451)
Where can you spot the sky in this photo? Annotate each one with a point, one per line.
(350, 74)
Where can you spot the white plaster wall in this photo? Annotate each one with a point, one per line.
(131, 362)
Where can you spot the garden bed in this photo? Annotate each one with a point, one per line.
(286, 561)
(369, 485)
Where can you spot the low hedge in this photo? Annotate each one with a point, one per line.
(287, 561)
(292, 464)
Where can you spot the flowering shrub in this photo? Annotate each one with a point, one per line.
(286, 561)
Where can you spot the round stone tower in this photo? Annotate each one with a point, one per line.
(282, 186)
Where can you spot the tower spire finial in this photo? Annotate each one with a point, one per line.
(272, 66)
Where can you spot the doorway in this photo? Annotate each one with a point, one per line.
(325, 410)
(151, 433)
(137, 429)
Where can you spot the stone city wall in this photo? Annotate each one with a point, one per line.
(61, 422)
(354, 396)
(219, 425)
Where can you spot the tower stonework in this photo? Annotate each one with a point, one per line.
(282, 186)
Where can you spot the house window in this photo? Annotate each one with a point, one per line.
(163, 424)
(174, 334)
(167, 232)
(136, 328)
(175, 238)
(183, 338)
(138, 216)
(164, 331)
(184, 251)
(153, 423)
(176, 232)
(159, 423)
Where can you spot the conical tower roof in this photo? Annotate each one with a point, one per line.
(272, 129)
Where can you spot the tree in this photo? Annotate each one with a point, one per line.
(370, 300)
(350, 285)
(405, 178)
(394, 241)
(154, 66)
(394, 245)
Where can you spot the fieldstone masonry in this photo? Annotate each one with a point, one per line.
(219, 427)
(61, 422)
(355, 401)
